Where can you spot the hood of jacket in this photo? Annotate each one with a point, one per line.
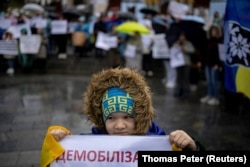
(128, 80)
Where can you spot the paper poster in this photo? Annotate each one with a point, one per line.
(101, 41)
(105, 41)
(30, 44)
(107, 150)
(5, 23)
(41, 23)
(8, 47)
(176, 57)
(160, 47)
(16, 29)
(59, 27)
(178, 10)
(130, 51)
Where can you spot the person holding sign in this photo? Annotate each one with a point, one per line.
(118, 102)
(183, 59)
(8, 36)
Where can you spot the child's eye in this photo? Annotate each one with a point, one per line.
(128, 117)
(110, 117)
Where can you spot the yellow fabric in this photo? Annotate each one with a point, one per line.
(51, 148)
(243, 80)
(175, 148)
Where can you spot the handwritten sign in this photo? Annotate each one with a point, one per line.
(8, 47)
(107, 151)
(59, 27)
(160, 47)
(176, 57)
(130, 51)
(178, 10)
(5, 23)
(105, 41)
(30, 44)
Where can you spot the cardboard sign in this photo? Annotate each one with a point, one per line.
(107, 150)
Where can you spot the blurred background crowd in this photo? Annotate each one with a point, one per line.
(31, 31)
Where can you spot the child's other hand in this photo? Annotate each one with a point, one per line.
(182, 140)
(58, 134)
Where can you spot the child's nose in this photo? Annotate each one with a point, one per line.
(119, 124)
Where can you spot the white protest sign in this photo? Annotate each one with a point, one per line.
(222, 52)
(8, 47)
(30, 44)
(130, 51)
(5, 23)
(41, 23)
(16, 29)
(105, 41)
(101, 41)
(146, 40)
(177, 10)
(160, 47)
(112, 41)
(107, 150)
(176, 57)
(59, 27)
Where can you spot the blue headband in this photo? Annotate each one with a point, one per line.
(116, 100)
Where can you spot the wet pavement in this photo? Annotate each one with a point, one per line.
(30, 103)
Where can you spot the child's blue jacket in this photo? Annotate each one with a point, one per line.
(153, 130)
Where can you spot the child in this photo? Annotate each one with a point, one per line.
(9, 57)
(118, 102)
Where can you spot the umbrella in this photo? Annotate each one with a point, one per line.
(127, 16)
(131, 27)
(149, 11)
(71, 13)
(33, 7)
(194, 19)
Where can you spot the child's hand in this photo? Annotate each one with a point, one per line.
(58, 134)
(182, 140)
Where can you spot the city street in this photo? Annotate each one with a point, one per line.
(30, 103)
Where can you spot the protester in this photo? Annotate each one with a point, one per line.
(10, 58)
(183, 72)
(132, 112)
(134, 62)
(212, 67)
(42, 53)
(114, 57)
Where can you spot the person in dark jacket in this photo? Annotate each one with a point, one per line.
(99, 26)
(212, 66)
(118, 102)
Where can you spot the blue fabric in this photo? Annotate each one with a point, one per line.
(116, 100)
(236, 35)
(153, 130)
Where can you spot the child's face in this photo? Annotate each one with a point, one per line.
(120, 124)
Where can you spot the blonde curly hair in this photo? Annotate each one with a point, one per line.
(128, 80)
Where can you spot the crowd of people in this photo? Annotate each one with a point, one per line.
(197, 43)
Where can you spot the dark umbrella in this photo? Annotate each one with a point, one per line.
(148, 11)
(71, 13)
(127, 16)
